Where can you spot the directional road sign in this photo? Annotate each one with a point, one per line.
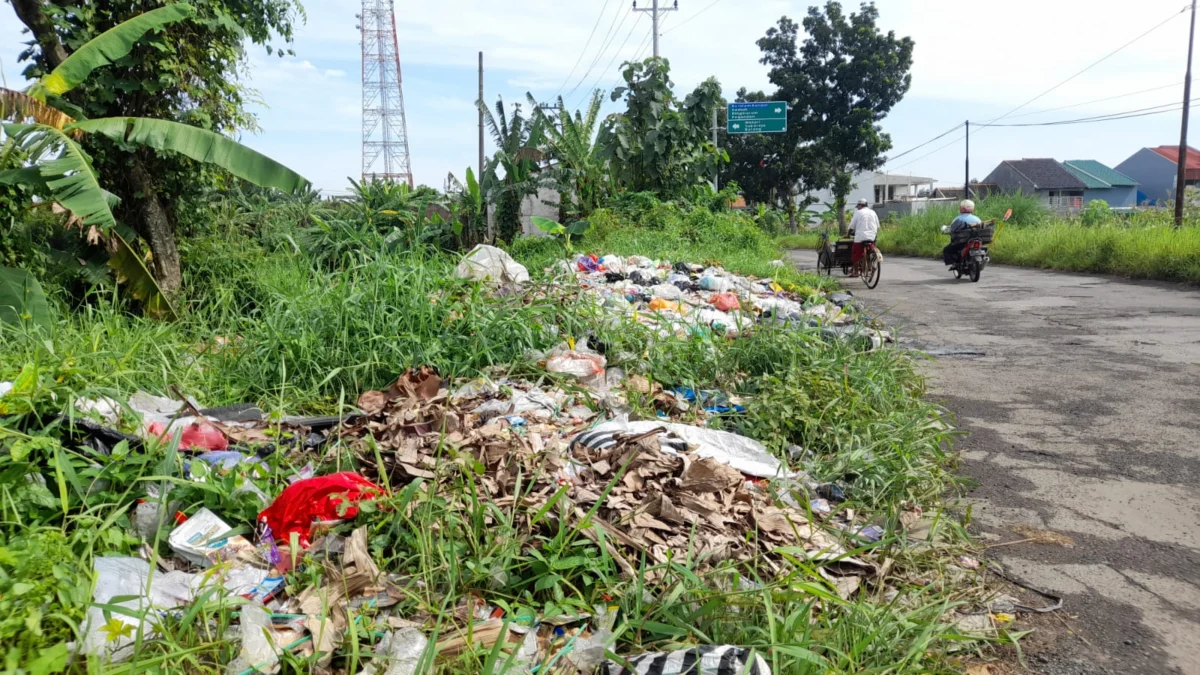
(768, 117)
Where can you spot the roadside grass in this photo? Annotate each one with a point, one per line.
(265, 324)
(1144, 246)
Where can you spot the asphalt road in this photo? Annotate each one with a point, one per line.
(1081, 399)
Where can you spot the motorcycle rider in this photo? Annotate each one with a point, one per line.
(865, 225)
(966, 219)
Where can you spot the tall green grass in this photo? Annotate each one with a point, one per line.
(1144, 246)
(267, 323)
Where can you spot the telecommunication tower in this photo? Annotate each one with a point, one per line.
(385, 153)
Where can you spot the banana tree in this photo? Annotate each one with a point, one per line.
(518, 140)
(59, 169)
(580, 173)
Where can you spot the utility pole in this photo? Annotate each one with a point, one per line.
(562, 127)
(654, 10)
(1180, 185)
(716, 144)
(480, 111)
(967, 168)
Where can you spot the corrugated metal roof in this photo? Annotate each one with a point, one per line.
(1171, 152)
(1097, 175)
(1046, 174)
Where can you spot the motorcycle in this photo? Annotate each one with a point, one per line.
(973, 256)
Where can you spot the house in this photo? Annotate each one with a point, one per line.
(1050, 181)
(1114, 187)
(874, 186)
(1156, 170)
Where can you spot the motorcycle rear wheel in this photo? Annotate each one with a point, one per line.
(976, 270)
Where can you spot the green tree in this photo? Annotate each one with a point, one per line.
(774, 168)
(660, 143)
(580, 172)
(841, 82)
(518, 140)
(187, 72)
(61, 170)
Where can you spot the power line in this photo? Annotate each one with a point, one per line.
(1098, 100)
(1092, 65)
(1140, 112)
(585, 47)
(618, 53)
(685, 21)
(608, 37)
(941, 135)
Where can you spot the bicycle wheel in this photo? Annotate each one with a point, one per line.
(874, 269)
(824, 264)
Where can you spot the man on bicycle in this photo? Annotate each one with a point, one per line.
(865, 226)
(966, 219)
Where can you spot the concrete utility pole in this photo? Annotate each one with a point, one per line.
(716, 144)
(654, 10)
(967, 171)
(1180, 185)
(480, 117)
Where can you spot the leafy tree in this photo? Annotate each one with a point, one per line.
(517, 141)
(581, 171)
(659, 143)
(774, 168)
(186, 72)
(63, 171)
(841, 82)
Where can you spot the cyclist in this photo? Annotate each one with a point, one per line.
(865, 226)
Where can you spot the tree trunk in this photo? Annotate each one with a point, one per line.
(791, 210)
(30, 14)
(155, 226)
(839, 204)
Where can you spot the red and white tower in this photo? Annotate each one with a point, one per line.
(385, 153)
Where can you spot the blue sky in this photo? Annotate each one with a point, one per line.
(973, 60)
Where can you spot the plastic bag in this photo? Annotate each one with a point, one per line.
(488, 263)
(708, 660)
(718, 284)
(613, 263)
(123, 576)
(403, 649)
(258, 649)
(726, 302)
(588, 263)
(667, 292)
(744, 454)
(583, 365)
(659, 305)
(323, 499)
(196, 435)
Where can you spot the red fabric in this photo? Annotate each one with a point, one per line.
(314, 500)
(857, 252)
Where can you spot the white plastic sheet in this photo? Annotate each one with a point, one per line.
(488, 263)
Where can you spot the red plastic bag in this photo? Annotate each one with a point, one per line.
(195, 436)
(726, 302)
(317, 500)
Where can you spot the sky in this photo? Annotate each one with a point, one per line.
(972, 61)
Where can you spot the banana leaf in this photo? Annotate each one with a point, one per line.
(138, 280)
(200, 145)
(15, 105)
(106, 48)
(22, 300)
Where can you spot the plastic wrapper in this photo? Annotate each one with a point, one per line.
(320, 500)
(201, 541)
(401, 652)
(661, 305)
(258, 652)
(667, 292)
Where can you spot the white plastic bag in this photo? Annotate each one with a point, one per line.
(124, 576)
(488, 263)
(399, 653)
(667, 292)
(258, 649)
(708, 660)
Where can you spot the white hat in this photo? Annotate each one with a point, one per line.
(862, 202)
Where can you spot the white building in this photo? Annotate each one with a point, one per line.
(879, 188)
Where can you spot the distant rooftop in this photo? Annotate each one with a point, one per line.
(1098, 176)
(1171, 152)
(1046, 174)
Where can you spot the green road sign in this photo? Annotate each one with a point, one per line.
(768, 117)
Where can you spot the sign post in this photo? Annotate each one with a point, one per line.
(764, 117)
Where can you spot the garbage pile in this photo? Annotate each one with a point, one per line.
(684, 299)
(652, 491)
